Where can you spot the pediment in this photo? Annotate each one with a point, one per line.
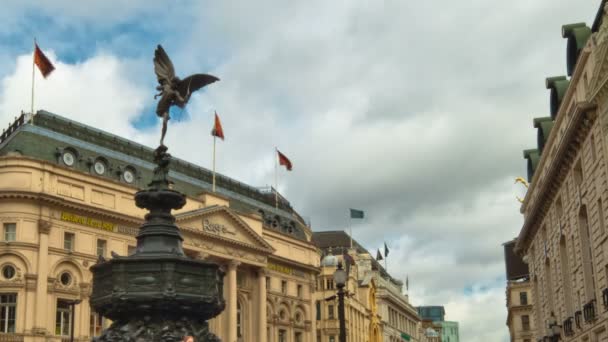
(222, 223)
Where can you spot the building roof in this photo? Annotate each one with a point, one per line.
(51, 135)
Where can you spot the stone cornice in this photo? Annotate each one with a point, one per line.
(62, 202)
(548, 178)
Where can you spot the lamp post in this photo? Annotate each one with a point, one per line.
(340, 281)
(553, 329)
(72, 303)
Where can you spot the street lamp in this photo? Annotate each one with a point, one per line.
(553, 329)
(340, 281)
(72, 303)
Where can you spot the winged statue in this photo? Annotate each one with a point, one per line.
(174, 91)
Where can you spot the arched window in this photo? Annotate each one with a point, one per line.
(587, 254)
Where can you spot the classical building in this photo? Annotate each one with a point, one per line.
(519, 297)
(397, 318)
(564, 236)
(66, 198)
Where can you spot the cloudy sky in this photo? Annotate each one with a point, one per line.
(414, 111)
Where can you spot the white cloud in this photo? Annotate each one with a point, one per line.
(94, 92)
(415, 112)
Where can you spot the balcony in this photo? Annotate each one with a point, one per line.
(568, 330)
(589, 311)
(11, 337)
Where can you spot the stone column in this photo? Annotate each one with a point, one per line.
(40, 317)
(232, 299)
(262, 305)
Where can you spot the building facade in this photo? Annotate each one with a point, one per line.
(520, 311)
(66, 198)
(518, 296)
(396, 317)
(361, 314)
(449, 331)
(564, 237)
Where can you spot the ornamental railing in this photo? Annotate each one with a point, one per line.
(568, 329)
(589, 311)
(20, 120)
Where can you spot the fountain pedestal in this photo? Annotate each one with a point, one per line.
(158, 294)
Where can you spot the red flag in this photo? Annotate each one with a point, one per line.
(217, 130)
(44, 65)
(284, 161)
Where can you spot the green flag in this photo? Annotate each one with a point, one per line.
(356, 214)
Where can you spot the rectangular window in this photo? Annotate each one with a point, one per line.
(592, 143)
(68, 241)
(299, 291)
(10, 231)
(63, 318)
(284, 286)
(330, 311)
(330, 284)
(8, 312)
(523, 298)
(101, 247)
(267, 283)
(241, 279)
(318, 305)
(96, 324)
(332, 339)
(282, 335)
(600, 215)
(525, 322)
(578, 174)
(298, 337)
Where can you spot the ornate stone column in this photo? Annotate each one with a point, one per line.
(232, 301)
(40, 317)
(262, 305)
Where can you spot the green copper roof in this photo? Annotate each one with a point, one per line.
(577, 35)
(52, 135)
(559, 86)
(533, 157)
(544, 126)
(599, 17)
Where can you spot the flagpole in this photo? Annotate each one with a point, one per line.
(214, 137)
(276, 177)
(33, 80)
(350, 228)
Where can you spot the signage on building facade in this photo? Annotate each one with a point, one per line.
(285, 270)
(216, 228)
(99, 224)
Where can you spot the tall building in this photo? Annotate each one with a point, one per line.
(66, 198)
(449, 331)
(434, 313)
(519, 297)
(433, 318)
(397, 318)
(563, 237)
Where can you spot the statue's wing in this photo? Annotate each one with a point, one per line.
(163, 67)
(193, 83)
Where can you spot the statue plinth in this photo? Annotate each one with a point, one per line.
(158, 294)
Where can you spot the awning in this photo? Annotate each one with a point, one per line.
(405, 336)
